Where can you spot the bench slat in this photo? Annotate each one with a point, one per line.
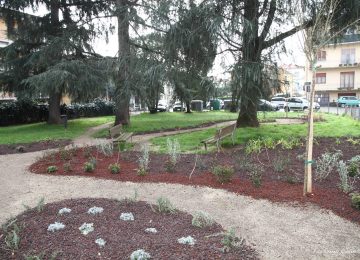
(220, 134)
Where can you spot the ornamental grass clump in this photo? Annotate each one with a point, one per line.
(89, 166)
(202, 219)
(140, 254)
(164, 206)
(346, 182)
(223, 173)
(105, 148)
(143, 160)
(230, 241)
(173, 150)
(11, 232)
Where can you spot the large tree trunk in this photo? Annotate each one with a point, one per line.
(122, 83)
(54, 108)
(250, 68)
(188, 107)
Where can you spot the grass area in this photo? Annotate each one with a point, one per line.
(42, 131)
(334, 126)
(161, 121)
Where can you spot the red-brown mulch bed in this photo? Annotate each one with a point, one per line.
(32, 147)
(122, 237)
(276, 186)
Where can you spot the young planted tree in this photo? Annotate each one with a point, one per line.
(52, 54)
(326, 29)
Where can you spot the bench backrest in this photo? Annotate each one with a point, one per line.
(225, 131)
(115, 131)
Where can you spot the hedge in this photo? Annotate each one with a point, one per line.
(29, 111)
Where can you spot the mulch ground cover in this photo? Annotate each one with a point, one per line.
(276, 186)
(121, 237)
(32, 147)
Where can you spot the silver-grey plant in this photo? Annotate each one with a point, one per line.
(202, 219)
(100, 242)
(55, 227)
(64, 211)
(140, 254)
(127, 216)
(346, 184)
(86, 228)
(105, 147)
(144, 159)
(189, 240)
(326, 164)
(95, 210)
(173, 149)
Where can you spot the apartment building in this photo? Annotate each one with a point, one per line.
(338, 70)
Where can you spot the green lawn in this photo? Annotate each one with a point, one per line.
(42, 131)
(334, 126)
(161, 121)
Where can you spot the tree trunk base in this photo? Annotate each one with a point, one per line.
(245, 120)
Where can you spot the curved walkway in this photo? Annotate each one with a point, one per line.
(278, 231)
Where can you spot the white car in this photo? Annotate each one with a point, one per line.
(161, 107)
(279, 101)
(297, 103)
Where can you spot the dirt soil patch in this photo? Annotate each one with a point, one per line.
(32, 147)
(277, 186)
(121, 237)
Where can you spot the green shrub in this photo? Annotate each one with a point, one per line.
(114, 168)
(52, 169)
(223, 173)
(89, 167)
(354, 166)
(255, 174)
(230, 241)
(355, 200)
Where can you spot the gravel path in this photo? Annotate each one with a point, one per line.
(278, 231)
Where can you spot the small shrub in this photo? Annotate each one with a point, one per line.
(353, 141)
(89, 167)
(244, 163)
(280, 164)
(355, 200)
(223, 173)
(202, 219)
(114, 168)
(52, 169)
(170, 166)
(326, 164)
(143, 160)
(95, 210)
(67, 167)
(40, 205)
(100, 242)
(345, 183)
(354, 166)
(64, 211)
(87, 151)
(255, 175)
(165, 206)
(230, 241)
(65, 154)
(253, 146)
(11, 232)
(105, 148)
(20, 149)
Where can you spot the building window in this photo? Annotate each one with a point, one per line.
(347, 79)
(321, 55)
(320, 78)
(347, 56)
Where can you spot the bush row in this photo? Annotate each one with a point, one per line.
(29, 111)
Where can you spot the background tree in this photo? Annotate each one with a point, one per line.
(52, 54)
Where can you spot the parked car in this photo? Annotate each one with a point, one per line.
(264, 105)
(161, 107)
(297, 103)
(279, 101)
(178, 107)
(347, 101)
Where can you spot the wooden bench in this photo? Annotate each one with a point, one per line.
(220, 134)
(118, 135)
